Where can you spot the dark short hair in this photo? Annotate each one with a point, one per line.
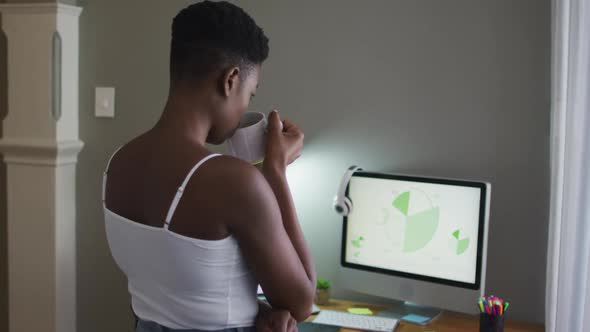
(208, 36)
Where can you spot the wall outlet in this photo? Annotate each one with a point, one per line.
(104, 102)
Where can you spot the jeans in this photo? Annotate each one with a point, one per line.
(147, 326)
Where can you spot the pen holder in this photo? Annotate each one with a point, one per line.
(491, 323)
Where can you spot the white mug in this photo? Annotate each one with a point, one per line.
(249, 141)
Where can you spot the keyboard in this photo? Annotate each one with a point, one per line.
(358, 322)
(315, 309)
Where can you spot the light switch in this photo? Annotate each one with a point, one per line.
(104, 102)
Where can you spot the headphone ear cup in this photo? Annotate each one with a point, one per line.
(342, 204)
(340, 209)
(348, 205)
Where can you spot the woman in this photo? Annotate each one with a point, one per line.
(195, 232)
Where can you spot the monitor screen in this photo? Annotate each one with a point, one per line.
(420, 228)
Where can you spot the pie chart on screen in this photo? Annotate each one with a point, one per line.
(421, 219)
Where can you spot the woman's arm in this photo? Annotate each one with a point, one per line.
(264, 221)
(277, 180)
(284, 145)
(254, 218)
(274, 320)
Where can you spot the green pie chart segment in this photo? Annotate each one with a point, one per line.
(358, 242)
(459, 245)
(402, 202)
(462, 246)
(420, 229)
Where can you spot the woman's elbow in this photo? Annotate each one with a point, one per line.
(305, 306)
(302, 314)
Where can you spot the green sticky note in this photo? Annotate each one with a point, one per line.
(360, 311)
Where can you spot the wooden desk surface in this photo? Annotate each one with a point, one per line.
(447, 321)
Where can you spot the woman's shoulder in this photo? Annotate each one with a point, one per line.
(233, 172)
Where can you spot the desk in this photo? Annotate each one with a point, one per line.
(447, 321)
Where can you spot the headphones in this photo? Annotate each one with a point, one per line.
(343, 204)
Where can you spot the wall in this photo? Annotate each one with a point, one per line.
(26, 1)
(3, 242)
(67, 2)
(454, 88)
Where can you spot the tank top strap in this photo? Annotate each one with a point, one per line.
(180, 189)
(104, 174)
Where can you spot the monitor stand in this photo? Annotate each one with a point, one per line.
(418, 314)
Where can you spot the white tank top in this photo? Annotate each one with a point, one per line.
(181, 282)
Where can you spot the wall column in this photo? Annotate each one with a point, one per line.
(40, 146)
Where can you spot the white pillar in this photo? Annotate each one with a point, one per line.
(40, 148)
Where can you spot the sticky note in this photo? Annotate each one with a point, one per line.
(415, 318)
(360, 311)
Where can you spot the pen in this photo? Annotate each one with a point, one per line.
(498, 307)
(492, 305)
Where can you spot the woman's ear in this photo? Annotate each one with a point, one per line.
(230, 80)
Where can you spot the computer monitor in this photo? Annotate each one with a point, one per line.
(418, 240)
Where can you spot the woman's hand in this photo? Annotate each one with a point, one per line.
(284, 142)
(274, 320)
